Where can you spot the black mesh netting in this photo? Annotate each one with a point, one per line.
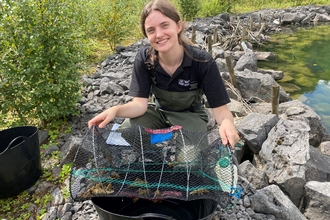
(154, 164)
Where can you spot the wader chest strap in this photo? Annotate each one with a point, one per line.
(190, 109)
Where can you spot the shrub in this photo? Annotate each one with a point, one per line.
(40, 51)
(189, 9)
(116, 20)
(214, 7)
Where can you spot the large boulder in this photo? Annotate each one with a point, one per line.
(317, 200)
(272, 200)
(284, 156)
(296, 110)
(257, 87)
(254, 129)
(289, 161)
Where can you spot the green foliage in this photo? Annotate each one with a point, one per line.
(65, 172)
(189, 9)
(40, 51)
(243, 6)
(215, 7)
(116, 20)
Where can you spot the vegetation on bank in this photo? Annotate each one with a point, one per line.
(241, 6)
(46, 45)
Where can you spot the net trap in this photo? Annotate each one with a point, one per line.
(154, 164)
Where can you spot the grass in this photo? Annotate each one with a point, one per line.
(99, 50)
(244, 6)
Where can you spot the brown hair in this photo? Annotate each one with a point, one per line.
(167, 9)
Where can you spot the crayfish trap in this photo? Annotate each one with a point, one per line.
(154, 164)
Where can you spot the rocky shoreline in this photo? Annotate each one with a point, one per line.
(267, 193)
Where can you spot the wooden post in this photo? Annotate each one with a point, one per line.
(243, 34)
(215, 36)
(193, 34)
(230, 69)
(209, 41)
(275, 98)
(251, 23)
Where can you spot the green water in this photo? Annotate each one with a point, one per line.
(304, 57)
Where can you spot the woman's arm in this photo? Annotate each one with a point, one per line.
(133, 109)
(227, 129)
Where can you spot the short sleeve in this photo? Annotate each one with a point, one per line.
(213, 86)
(141, 78)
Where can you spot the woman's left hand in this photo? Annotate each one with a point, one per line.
(228, 133)
(227, 129)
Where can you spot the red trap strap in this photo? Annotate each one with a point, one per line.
(163, 130)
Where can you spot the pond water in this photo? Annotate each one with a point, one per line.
(304, 57)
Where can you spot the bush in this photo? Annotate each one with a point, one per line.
(189, 9)
(40, 51)
(113, 21)
(214, 7)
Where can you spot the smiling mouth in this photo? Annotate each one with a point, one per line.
(163, 41)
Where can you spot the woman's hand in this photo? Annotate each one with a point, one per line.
(228, 133)
(137, 107)
(227, 129)
(102, 119)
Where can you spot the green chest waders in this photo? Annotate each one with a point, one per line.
(173, 108)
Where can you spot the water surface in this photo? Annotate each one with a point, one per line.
(304, 57)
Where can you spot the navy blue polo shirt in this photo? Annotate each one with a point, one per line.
(196, 61)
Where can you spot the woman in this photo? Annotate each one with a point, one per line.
(176, 74)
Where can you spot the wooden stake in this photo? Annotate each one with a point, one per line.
(193, 35)
(251, 23)
(209, 41)
(275, 98)
(230, 69)
(215, 36)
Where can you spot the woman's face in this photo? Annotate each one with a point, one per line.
(162, 31)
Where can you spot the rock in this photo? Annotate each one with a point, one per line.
(42, 135)
(265, 56)
(284, 156)
(318, 166)
(247, 61)
(257, 177)
(257, 87)
(321, 18)
(325, 147)
(69, 149)
(255, 128)
(296, 110)
(293, 18)
(277, 75)
(317, 200)
(272, 200)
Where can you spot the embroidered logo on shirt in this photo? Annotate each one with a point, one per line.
(183, 82)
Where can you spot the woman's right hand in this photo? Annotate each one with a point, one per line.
(137, 107)
(102, 119)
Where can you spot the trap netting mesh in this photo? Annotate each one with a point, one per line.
(154, 164)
